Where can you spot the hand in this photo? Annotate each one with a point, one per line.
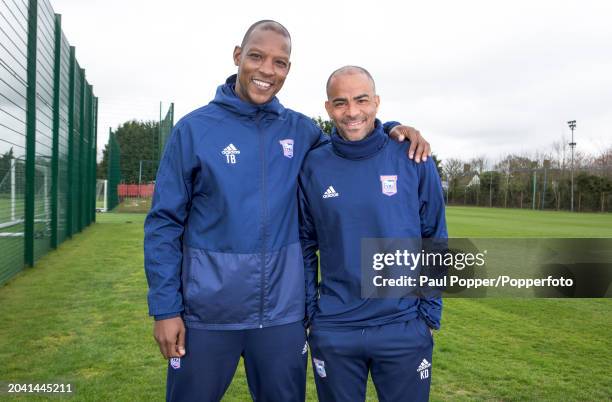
(170, 336)
(419, 148)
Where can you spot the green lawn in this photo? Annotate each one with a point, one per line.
(80, 315)
(501, 222)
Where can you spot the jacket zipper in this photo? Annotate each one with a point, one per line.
(263, 217)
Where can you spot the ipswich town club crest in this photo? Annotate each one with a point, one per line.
(319, 367)
(287, 147)
(175, 363)
(389, 185)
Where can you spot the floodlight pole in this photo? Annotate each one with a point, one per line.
(572, 126)
(139, 177)
(545, 165)
(533, 197)
(491, 190)
(507, 185)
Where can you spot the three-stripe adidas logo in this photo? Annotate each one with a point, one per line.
(330, 192)
(230, 153)
(424, 365)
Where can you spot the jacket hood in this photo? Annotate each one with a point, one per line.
(227, 98)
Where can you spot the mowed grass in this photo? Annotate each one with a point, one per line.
(501, 222)
(80, 316)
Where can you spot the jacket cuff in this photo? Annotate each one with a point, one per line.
(390, 125)
(430, 323)
(432, 320)
(167, 316)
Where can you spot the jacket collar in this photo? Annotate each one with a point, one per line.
(362, 149)
(227, 98)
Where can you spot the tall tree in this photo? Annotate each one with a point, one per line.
(325, 125)
(102, 170)
(452, 169)
(438, 163)
(5, 163)
(139, 144)
(478, 163)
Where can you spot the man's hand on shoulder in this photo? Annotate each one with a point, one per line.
(419, 148)
(170, 336)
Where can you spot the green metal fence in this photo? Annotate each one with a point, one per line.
(130, 172)
(165, 128)
(48, 115)
(114, 171)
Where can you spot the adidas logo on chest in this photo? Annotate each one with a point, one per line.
(330, 193)
(230, 153)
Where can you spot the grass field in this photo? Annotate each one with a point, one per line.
(80, 315)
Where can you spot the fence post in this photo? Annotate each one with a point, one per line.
(80, 154)
(110, 203)
(91, 186)
(87, 155)
(95, 158)
(55, 147)
(30, 133)
(70, 195)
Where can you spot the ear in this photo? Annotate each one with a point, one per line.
(288, 67)
(328, 108)
(377, 102)
(237, 54)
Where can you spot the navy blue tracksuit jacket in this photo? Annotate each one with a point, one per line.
(364, 189)
(221, 239)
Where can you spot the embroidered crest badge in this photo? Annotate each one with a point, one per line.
(319, 367)
(175, 363)
(287, 147)
(389, 185)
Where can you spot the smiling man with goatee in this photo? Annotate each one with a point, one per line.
(360, 185)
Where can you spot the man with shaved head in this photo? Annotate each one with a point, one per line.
(358, 186)
(222, 252)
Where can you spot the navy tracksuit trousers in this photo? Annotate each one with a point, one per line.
(275, 360)
(397, 355)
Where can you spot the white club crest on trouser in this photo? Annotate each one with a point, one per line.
(319, 367)
(175, 362)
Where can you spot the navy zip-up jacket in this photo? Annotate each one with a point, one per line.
(221, 240)
(363, 189)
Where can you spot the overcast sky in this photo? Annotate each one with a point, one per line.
(475, 77)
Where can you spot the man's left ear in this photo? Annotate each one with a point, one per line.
(377, 101)
(236, 55)
(328, 109)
